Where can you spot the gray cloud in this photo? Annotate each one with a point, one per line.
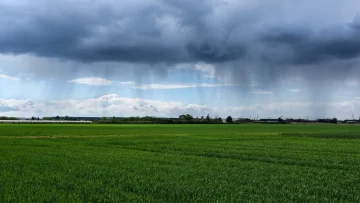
(7, 109)
(175, 32)
(308, 47)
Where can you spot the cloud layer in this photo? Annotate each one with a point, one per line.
(177, 32)
(7, 77)
(115, 105)
(107, 105)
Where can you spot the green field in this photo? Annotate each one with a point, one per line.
(179, 163)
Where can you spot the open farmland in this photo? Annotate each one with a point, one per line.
(179, 163)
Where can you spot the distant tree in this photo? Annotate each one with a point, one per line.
(186, 117)
(327, 120)
(229, 119)
(208, 117)
(220, 120)
(280, 119)
(8, 118)
(243, 120)
(202, 118)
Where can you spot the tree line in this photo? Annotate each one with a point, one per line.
(182, 119)
(8, 118)
(186, 119)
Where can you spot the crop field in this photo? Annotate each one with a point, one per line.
(179, 163)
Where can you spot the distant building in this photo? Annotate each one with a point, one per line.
(351, 121)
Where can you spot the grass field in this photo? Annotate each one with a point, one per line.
(179, 163)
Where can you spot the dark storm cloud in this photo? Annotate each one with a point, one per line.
(212, 52)
(308, 47)
(177, 31)
(124, 32)
(159, 31)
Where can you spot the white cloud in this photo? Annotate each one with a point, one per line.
(21, 106)
(179, 86)
(294, 90)
(115, 105)
(260, 92)
(94, 81)
(7, 77)
(206, 68)
(107, 105)
(127, 83)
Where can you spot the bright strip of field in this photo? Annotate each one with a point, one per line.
(179, 163)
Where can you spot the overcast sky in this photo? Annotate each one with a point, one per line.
(164, 58)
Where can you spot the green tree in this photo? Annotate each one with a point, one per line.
(208, 117)
(186, 117)
(229, 119)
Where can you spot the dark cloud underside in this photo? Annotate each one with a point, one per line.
(167, 31)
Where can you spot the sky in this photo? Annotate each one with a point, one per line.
(243, 58)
